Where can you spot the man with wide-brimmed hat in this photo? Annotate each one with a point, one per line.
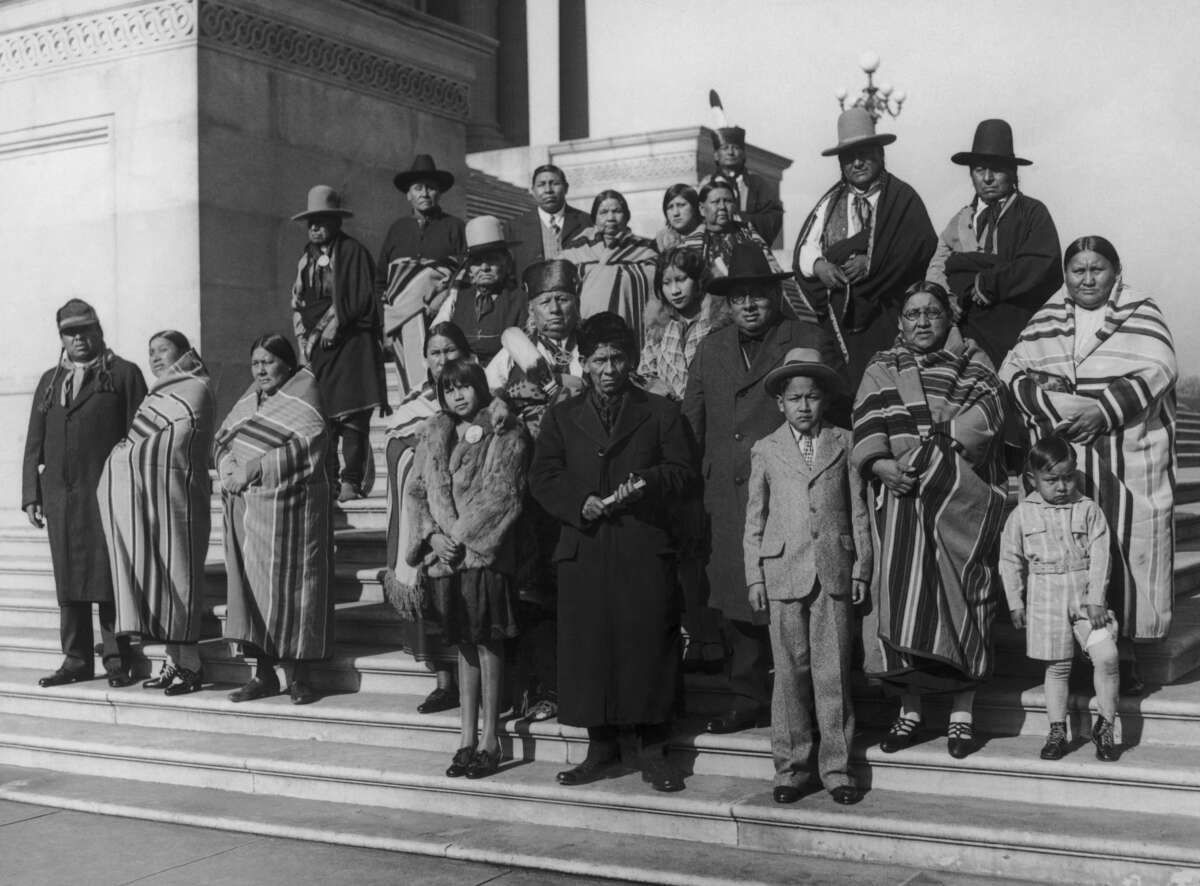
(337, 324)
(423, 249)
(729, 411)
(866, 241)
(485, 300)
(82, 407)
(999, 255)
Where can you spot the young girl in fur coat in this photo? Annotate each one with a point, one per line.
(465, 495)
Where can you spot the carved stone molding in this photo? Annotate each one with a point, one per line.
(286, 44)
(94, 37)
(63, 135)
(681, 166)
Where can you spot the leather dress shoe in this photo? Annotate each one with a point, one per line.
(662, 776)
(785, 793)
(846, 794)
(301, 692)
(163, 680)
(900, 736)
(960, 740)
(460, 762)
(119, 679)
(588, 771)
(438, 700)
(256, 687)
(1103, 739)
(735, 721)
(484, 763)
(62, 677)
(186, 681)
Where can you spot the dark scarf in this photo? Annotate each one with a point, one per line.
(607, 407)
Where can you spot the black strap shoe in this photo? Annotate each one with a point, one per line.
(163, 680)
(185, 681)
(960, 740)
(461, 762)
(438, 700)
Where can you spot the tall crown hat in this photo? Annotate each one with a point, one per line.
(993, 144)
(486, 233)
(856, 129)
(323, 200)
(723, 133)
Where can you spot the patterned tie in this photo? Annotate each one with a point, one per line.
(806, 448)
(556, 228)
(862, 209)
(987, 229)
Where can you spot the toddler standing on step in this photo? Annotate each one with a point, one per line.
(1054, 561)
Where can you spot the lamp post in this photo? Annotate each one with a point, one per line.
(875, 100)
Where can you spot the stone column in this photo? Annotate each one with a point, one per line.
(541, 26)
(572, 70)
(483, 132)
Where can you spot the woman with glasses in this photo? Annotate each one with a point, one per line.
(927, 422)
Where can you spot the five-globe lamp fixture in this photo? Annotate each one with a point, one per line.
(875, 100)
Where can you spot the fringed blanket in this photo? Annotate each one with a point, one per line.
(278, 532)
(619, 278)
(154, 496)
(935, 550)
(1127, 369)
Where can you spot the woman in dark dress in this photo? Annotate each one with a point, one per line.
(609, 465)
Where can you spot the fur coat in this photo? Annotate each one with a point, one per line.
(469, 489)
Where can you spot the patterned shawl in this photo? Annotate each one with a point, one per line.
(619, 278)
(1129, 470)
(278, 532)
(154, 497)
(941, 414)
(671, 343)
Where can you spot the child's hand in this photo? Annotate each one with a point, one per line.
(758, 597)
(1018, 618)
(858, 590)
(1097, 615)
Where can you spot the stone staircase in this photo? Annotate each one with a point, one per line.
(362, 767)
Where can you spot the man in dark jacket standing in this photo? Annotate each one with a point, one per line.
(729, 411)
(1000, 254)
(541, 232)
(81, 408)
(756, 204)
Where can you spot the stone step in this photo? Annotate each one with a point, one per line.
(952, 831)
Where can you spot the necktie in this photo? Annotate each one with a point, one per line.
(556, 228)
(862, 209)
(806, 449)
(67, 390)
(987, 229)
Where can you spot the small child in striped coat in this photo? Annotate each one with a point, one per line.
(1054, 561)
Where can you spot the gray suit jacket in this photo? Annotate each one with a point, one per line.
(802, 523)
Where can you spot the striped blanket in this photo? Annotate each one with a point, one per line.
(619, 278)
(1128, 369)
(934, 589)
(278, 532)
(154, 499)
(415, 290)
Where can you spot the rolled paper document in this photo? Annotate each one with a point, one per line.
(610, 500)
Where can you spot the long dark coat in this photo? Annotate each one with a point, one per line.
(618, 607)
(728, 412)
(73, 443)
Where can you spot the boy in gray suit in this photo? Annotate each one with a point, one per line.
(808, 559)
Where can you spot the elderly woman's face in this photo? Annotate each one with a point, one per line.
(163, 353)
(610, 217)
(718, 208)
(1090, 279)
(608, 367)
(993, 183)
(487, 269)
(269, 371)
(680, 215)
(924, 323)
(555, 313)
(439, 351)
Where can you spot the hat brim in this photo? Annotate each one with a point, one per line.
(725, 285)
(830, 381)
(493, 245)
(78, 323)
(882, 138)
(970, 158)
(340, 213)
(405, 180)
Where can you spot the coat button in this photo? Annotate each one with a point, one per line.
(601, 452)
(739, 480)
(737, 437)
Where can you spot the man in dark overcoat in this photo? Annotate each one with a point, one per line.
(867, 240)
(1000, 254)
(541, 232)
(729, 411)
(81, 408)
(338, 326)
(619, 642)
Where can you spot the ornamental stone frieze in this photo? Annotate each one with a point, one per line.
(96, 36)
(633, 169)
(228, 27)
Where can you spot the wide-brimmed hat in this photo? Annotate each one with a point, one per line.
(993, 143)
(74, 314)
(555, 275)
(855, 129)
(423, 169)
(802, 361)
(323, 200)
(486, 233)
(728, 135)
(747, 264)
